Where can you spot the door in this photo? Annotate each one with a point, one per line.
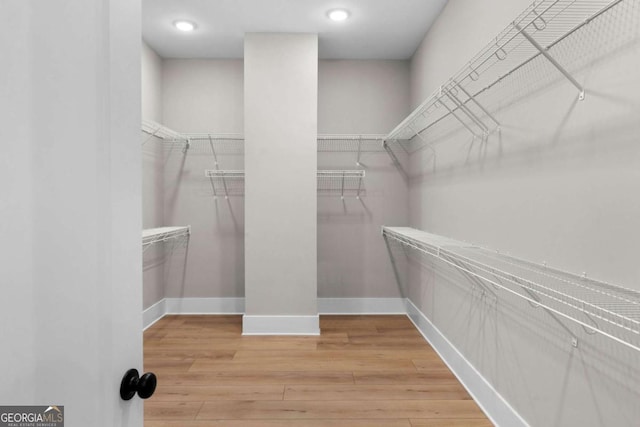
(70, 211)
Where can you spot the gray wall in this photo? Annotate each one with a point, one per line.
(203, 96)
(152, 176)
(367, 97)
(360, 97)
(558, 185)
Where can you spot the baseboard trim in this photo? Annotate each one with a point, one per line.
(205, 305)
(280, 325)
(361, 306)
(492, 403)
(154, 313)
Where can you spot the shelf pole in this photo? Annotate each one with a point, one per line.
(472, 98)
(395, 160)
(466, 110)
(396, 274)
(224, 183)
(359, 145)
(551, 59)
(456, 116)
(215, 156)
(574, 338)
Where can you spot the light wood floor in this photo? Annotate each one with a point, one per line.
(362, 371)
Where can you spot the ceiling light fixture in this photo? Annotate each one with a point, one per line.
(338, 15)
(185, 26)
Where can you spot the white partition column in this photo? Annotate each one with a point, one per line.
(281, 98)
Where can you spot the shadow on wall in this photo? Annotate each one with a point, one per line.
(176, 266)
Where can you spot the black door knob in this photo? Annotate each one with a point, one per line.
(132, 383)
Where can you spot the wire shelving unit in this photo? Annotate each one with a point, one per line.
(344, 183)
(598, 307)
(531, 36)
(152, 236)
(357, 144)
(154, 129)
(226, 183)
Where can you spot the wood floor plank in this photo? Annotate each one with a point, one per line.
(166, 411)
(257, 378)
(429, 364)
(333, 365)
(283, 423)
(434, 376)
(173, 353)
(451, 423)
(386, 409)
(376, 392)
(181, 393)
(378, 354)
(167, 365)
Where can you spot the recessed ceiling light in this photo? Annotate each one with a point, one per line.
(185, 26)
(338, 15)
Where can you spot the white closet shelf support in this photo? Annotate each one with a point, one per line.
(598, 307)
(330, 182)
(154, 129)
(532, 35)
(152, 236)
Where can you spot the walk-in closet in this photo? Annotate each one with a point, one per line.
(353, 213)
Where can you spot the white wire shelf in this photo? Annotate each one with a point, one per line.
(226, 183)
(152, 236)
(225, 143)
(154, 129)
(532, 35)
(599, 307)
(343, 182)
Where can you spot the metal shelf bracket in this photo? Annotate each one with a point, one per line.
(551, 59)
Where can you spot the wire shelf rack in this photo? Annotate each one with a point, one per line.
(152, 236)
(154, 129)
(226, 183)
(598, 307)
(233, 143)
(343, 182)
(531, 36)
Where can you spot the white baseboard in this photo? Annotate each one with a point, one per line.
(280, 325)
(491, 402)
(236, 306)
(154, 313)
(361, 306)
(205, 305)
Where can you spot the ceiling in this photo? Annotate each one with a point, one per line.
(377, 29)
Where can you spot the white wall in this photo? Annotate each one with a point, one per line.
(152, 176)
(281, 128)
(360, 97)
(558, 185)
(71, 209)
(203, 96)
